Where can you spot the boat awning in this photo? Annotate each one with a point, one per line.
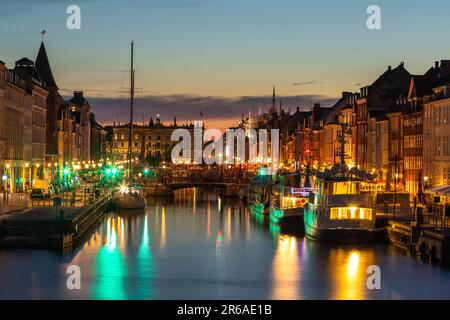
(439, 190)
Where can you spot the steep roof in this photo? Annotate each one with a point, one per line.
(43, 67)
(422, 85)
(393, 82)
(79, 99)
(297, 118)
(26, 68)
(341, 104)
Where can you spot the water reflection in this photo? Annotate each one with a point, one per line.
(201, 246)
(286, 270)
(145, 265)
(111, 268)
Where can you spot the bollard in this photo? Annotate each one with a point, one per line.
(419, 216)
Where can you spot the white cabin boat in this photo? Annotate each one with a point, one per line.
(339, 211)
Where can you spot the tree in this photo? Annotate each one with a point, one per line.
(153, 161)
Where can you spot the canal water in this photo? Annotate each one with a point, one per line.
(199, 246)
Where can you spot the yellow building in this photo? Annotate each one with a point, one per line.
(22, 125)
(149, 140)
(436, 137)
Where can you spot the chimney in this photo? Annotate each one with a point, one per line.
(436, 64)
(174, 121)
(389, 68)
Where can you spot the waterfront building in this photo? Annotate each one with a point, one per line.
(317, 119)
(22, 110)
(68, 122)
(82, 114)
(436, 138)
(54, 102)
(382, 149)
(34, 122)
(99, 140)
(339, 121)
(151, 141)
(2, 115)
(378, 98)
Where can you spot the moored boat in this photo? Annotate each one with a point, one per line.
(287, 206)
(338, 211)
(131, 197)
(259, 196)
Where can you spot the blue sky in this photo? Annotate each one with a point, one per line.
(226, 48)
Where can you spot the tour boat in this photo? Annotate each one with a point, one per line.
(131, 196)
(259, 196)
(338, 210)
(287, 206)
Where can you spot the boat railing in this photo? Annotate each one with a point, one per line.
(297, 192)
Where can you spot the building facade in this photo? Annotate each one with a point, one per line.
(152, 140)
(436, 142)
(22, 126)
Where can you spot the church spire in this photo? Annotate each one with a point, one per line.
(274, 100)
(273, 109)
(43, 67)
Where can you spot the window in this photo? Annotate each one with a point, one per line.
(122, 136)
(350, 214)
(115, 136)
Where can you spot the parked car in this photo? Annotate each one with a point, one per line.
(37, 194)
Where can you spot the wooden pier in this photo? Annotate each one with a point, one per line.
(428, 238)
(55, 228)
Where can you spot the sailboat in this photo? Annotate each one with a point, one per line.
(131, 196)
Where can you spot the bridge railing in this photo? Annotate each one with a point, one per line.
(208, 180)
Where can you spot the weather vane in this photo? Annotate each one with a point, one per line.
(43, 32)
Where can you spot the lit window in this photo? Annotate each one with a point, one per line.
(350, 214)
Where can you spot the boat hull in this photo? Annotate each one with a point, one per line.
(286, 216)
(290, 221)
(336, 234)
(259, 209)
(131, 202)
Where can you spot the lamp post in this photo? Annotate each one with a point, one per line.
(8, 178)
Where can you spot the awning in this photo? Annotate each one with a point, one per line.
(439, 190)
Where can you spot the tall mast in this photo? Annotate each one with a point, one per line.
(130, 140)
